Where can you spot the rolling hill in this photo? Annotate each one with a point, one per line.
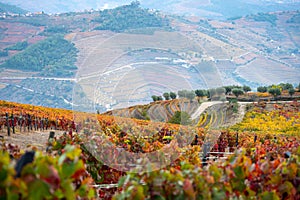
(216, 9)
(7, 8)
(124, 65)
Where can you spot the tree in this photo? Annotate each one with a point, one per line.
(173, 95)
(191, 95)
(200, 93)
(212, 92)
(237, 92)
(286, 86)
(220, 91)
(166, 96)
(154, 98)
(19, 46)
(182, 118)
(187, 94)
(159, 98)
(182, 93)
(223, 99)
(292, 91)
(227, 89)
(274, 92)
(262, 89)
(246, 88)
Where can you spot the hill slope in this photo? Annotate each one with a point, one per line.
(205, 8)
(7, 8)
(121, 66)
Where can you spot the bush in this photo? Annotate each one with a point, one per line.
(237, 92)
(180, 117)
(128, 17)
(51, 56)
(19, 46)
(262, 89)
(47, 177)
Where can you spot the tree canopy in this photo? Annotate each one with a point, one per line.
(237, 91)
(180, 117)
(274, 91)
(52, 56)
(128, 17)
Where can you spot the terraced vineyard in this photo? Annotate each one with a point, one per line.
(157, 111)
(106, 142)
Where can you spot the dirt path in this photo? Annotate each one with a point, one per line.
(26, 140)
(203, 107)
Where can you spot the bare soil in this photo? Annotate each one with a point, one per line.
(28, 140)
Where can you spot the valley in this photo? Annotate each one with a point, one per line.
(116, 69)
(150, 100)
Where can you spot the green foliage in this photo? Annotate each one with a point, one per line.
(186, 94)
(274, 91)
(237, 178)
(156, 98)
(246, 88)
(262, 89)
(237, 92)
(181, 117)
(61, 29)
(36, 20)
(19, 46)
(211, 92)
(220, 91)
(159, 98)
(234, 105)
(47, 177)
(145, 114)
(3, 53)
(227, 89)
(128, 17)
(265, 17)
(173, 95)
(53, 56)
(4, 8)
(200, 93)
(166, 96)
(286, 86)
(292, 91)
(294, 19)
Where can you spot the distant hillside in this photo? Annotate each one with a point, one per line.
(6, 8)
(202, 114)
(43, 92)
(121, 64)
(54, 56)
(216, 9)
(128, 17)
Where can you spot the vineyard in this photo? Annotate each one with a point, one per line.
(258, 158)
(159, 111)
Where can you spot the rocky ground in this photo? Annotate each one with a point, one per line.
(27, 140)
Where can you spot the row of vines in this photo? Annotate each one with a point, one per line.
(265, 163)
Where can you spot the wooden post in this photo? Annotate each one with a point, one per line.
(7, 124)
(20, 122)
(237, 139)
(206, 147)
(51, 135)
(13, 123)
(50, 140)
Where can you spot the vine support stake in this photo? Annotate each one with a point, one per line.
(7, 124)
(13, 123)
(237, 139)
